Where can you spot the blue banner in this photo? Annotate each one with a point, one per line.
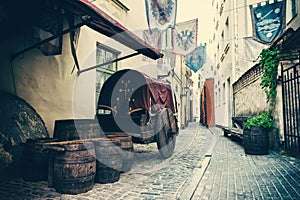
(161, 14)
(268, 21)
(197, 58)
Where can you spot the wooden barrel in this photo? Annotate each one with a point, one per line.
(127, 150)
(74, 169)
(34, 159)
(109, 160)
(75, 129)
(256, 141)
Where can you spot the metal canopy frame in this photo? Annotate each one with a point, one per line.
(99, 21)
(68, 30)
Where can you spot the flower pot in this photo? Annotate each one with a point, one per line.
(256, 141)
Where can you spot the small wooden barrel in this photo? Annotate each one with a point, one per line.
(75, 129)
(127, 150)
(109, 160)
(74, 169)
(34, 159)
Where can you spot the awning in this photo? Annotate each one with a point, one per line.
(288, 43)
(106, 25)
(91, 16)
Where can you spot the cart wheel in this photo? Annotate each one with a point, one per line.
(165, 140)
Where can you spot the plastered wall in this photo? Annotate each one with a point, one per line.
(250, 100)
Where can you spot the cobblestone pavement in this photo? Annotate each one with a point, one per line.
(150, 178)
(232, 174)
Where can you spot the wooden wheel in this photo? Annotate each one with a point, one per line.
(166, 134)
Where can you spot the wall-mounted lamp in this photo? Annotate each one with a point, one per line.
(165, 75)
(159, 77)
(186, 88)
(279, 80)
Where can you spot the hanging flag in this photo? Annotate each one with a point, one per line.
(161, 14)
(153, 38)
(185, 37)
(253, 48)
(167, 62)
(268, 21)
(50, 24)
(197, 58)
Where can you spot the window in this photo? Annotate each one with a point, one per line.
(221, 9)
(104, 54)
(291, 10)
(219, 96)
(121, 5)
(224, 93)
(227, 34)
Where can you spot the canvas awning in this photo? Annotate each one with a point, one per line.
(104, 24)
(91, 15)
(288, 43)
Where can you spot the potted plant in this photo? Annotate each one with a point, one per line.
(256, 133)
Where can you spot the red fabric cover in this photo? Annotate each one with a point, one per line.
(128, 90)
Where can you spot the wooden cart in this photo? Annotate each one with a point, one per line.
(140, 106)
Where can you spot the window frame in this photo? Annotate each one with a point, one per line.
(104, 71)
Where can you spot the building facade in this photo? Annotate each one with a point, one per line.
(237, 83)
(67, 85)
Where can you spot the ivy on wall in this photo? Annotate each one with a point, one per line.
(269, 61)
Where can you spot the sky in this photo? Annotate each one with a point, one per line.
(201, 9)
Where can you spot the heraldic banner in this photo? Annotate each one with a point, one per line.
(197, 58)
(161, 14)
(167, 63)
(252, 48)
(268, 21)
(153, 38)
(184, 37)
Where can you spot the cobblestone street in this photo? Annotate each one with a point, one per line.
(150, 178)
(205, 165)
(232, 174)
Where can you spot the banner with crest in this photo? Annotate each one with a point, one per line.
(268, 21)
(167, 63)
(153, 38)
(197, 58)
(252, 48)
(185, 37)
(161, 14)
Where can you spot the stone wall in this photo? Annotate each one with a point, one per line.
(249, 98)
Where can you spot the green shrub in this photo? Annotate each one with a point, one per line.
(264, 120)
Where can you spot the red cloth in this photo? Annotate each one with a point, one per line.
(129, 90)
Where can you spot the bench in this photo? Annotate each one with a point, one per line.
(237, 129)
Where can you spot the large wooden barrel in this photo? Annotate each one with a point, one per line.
(74, 168)
(109, 160)
(34, 159)
(75, 129)
(127, 150)
(256, 141)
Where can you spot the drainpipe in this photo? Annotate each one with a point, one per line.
(181, 106)
(236, 44)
